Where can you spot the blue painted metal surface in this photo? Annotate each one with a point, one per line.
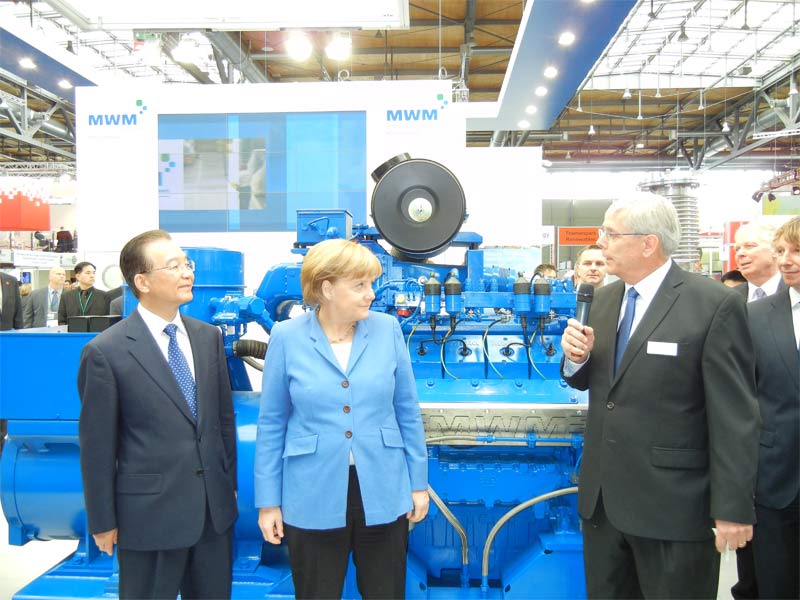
(502, 427)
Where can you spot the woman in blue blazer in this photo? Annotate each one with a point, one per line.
(340, 464)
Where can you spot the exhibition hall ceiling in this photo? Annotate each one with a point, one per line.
(620, 84)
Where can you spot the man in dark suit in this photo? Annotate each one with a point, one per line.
(10, 303)
(758, 264)
(157, 435)
(756, 260)
(86, 300)
(672, 430)
(45, 301)
(775, 328)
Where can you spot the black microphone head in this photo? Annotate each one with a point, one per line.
(585, 293)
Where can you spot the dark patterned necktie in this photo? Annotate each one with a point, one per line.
(180, 368)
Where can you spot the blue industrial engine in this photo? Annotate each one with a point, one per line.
(504, 431)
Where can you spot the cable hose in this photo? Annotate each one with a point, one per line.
(252, 348)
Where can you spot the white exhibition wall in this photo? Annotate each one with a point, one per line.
(117, 164)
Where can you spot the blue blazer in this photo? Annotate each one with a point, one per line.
(313, 414)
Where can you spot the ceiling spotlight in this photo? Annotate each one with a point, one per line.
(652, 13)
(626, 95)
(658, 93)
(298, 46)
(683, 37)
(27, 63)
(64, 84)
(792, 89)
(540, 91)
(701, 106)
(757, 196)
(523, 124)
(771, 197)
(339, 47)
(531, 109)
(568, 156)
(592, 130)
(725, 127)
(551, 72)
(795, 190)
(579, 108)
(639, 145)
(566, 39)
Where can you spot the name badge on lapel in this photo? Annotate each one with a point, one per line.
(662, 348)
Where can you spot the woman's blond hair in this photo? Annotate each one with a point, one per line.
(332, 260)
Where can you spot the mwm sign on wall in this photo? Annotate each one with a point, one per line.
(101, 119)
(412, 115)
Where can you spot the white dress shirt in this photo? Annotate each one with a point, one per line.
(156, 324)
(770, 286)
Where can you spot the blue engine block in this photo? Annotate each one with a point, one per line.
(504, 431)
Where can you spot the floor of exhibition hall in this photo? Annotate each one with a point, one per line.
(21, 564)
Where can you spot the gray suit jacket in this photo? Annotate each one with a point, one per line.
(11, 310)
(672, 440)
(35, 312)
(778, 382)
(148, 467)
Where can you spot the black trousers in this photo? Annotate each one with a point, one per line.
(776, 550)
(202, 571)
(319, 557)
(620, 565)
(745, 588)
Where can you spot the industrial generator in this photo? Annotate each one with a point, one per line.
(503, 429)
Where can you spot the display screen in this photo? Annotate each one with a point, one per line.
(252, 172)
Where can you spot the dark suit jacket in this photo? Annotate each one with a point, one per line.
(778, 383)
(11, 311)
(35, 312)
(744, 289)
(148, 468)
(69, 305)
(671, 440)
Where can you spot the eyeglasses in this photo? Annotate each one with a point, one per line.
(189, 265)
(612, 235)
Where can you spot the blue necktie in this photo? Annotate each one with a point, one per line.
(180, 368)
(624, 331)
(54, 302)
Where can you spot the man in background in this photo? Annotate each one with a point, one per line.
(775, 328)
(158, 437)
(671, 440)
(43, 303)
(546, 270)
(732, 278)
(10, 303)
(756, 260)
(758, 264)
(86, 299)
(590, 266)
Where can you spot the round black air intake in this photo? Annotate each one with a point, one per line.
(418, 205)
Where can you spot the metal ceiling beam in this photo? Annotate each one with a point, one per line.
(36, 143)
(231, 48)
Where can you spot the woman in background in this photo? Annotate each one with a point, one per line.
(341, 463)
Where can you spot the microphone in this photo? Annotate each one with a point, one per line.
(584, 303)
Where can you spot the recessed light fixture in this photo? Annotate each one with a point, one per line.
(639, 145)
(339, 47)
(64, 84)
(566, 38)
(592, 130)
(531, 109)
(27, 63)
(551, 72)
(626, 95)
(540, 91)
(523, 124)
(795, 190)
(298, 46)
(587, 1)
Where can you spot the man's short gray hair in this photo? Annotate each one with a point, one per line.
(764, 232)
(650, 214)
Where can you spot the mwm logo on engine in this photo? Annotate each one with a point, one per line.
(412, 115)
(117, 119)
